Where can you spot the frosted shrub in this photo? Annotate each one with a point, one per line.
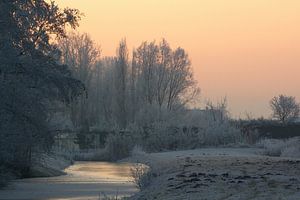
(141, 175)
(5, 176)
(222, 134)
(118, 146)
(276, 147)
(272, 147)
(91, 155)
(154, 139)
(163, 137)
(137, 150)
(291, 151)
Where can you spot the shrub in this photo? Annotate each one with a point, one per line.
(161, 137)
(91, 155)
(292, 151)
(141, 175)
(5, 176)
(222, 134)
(278, 147)
(119, 145)
(138, 151)
(272, 147)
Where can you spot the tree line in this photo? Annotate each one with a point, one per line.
(122, 90)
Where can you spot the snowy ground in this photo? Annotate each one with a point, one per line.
(223, 173)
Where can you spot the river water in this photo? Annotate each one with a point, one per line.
(84, 181)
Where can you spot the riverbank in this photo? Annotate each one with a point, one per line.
(50, 165)
(46, 165)
(221, 173)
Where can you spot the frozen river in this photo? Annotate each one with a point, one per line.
(84, 180)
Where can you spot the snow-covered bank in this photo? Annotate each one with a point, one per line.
(45, 165)
(50, 165)
(221, 173)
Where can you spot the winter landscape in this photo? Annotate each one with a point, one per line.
(142, 100)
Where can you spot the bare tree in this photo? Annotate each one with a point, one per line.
(121, 71)
(285, 108)
(81, 54)
(162, 72)
(181, 77)
(165, 76)
(145, 58)
(103, 84)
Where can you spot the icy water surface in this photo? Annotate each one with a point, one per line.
(84, 180)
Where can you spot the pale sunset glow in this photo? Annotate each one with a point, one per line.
(247, 50)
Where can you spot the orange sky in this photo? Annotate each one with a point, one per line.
(248, 50)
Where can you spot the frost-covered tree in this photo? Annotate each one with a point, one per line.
(164, 80)
(285, 108)
(30, 76)
(121, 82)
(81, 54)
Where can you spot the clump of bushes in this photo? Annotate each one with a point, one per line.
(119, 145)
(91, 155)
(164, 137)
(160, 129)
(141, 175)
(161, 138)
(5, 176)
(281, 147)
(222, 134)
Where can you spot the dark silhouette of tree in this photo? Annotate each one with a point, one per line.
(31, 77)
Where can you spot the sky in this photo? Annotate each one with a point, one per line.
(248, 51)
